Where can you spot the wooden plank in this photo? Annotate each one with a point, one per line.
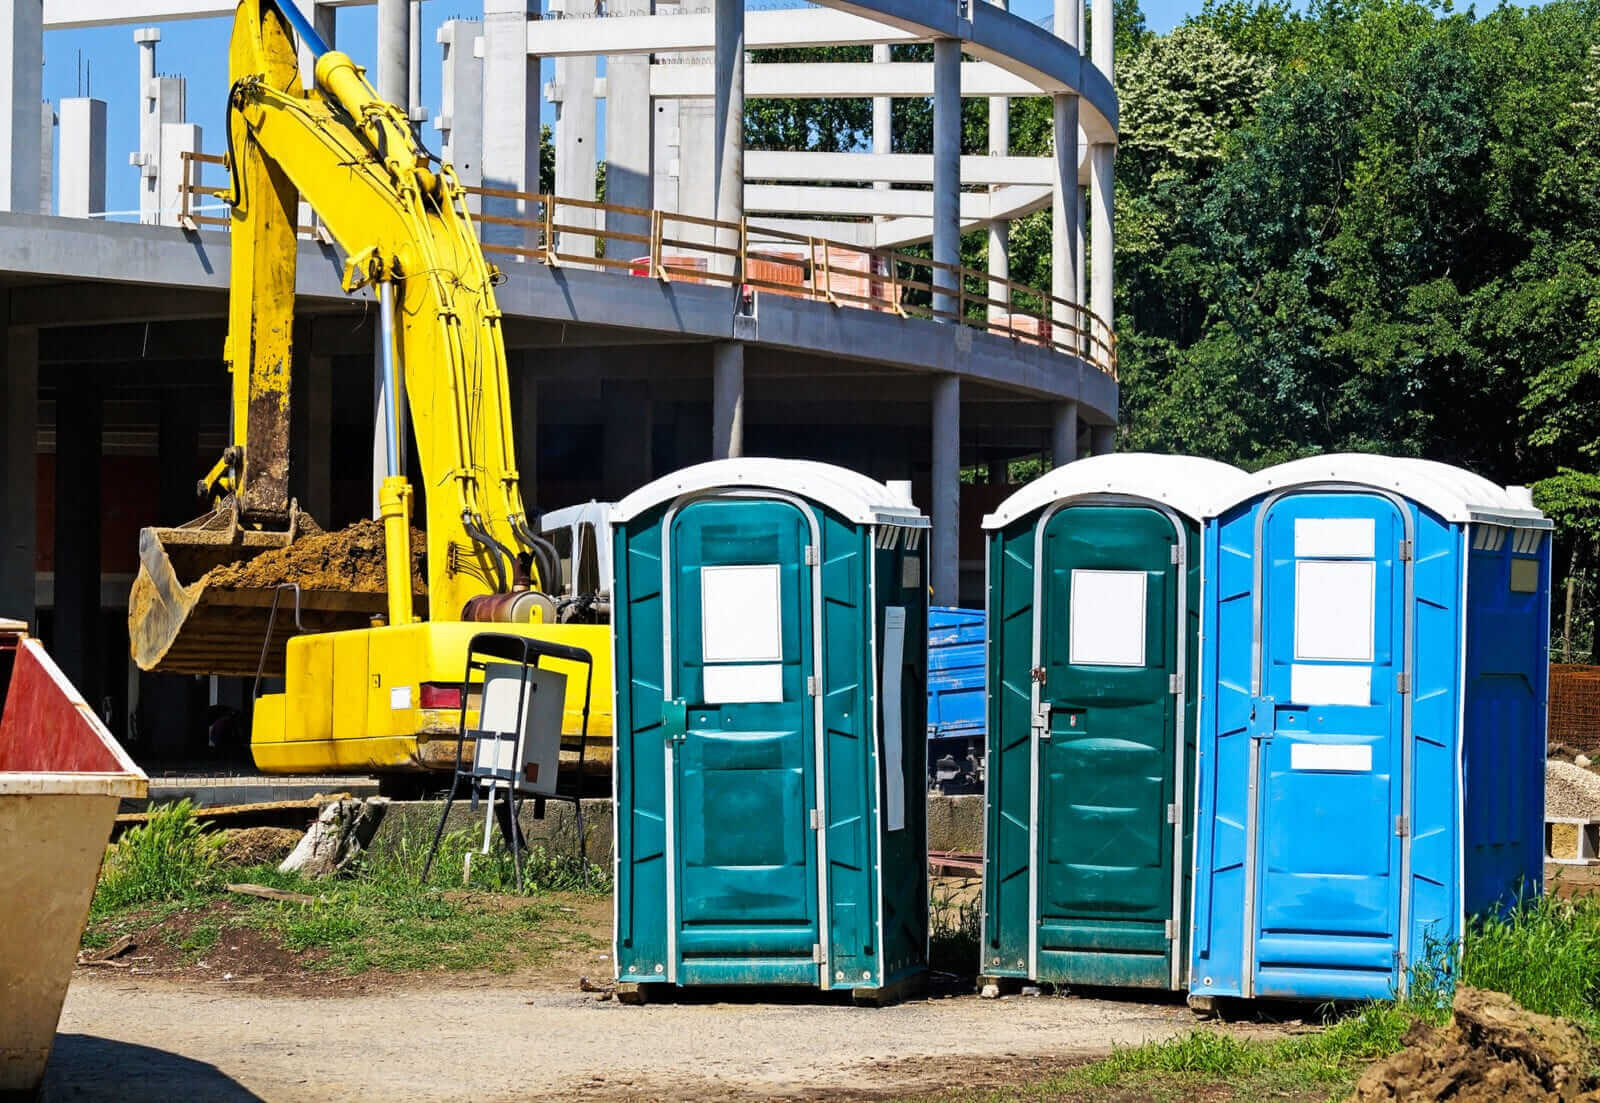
(266, 893)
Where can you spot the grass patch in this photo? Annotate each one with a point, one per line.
(377, 916)
(169, 857)
(1544, 954)
(955, 928)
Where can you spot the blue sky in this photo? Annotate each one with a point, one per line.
(198, 50)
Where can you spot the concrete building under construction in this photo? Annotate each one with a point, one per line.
(716, 301)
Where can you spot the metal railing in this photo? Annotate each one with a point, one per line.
(689, 249)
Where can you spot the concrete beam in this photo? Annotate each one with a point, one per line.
(21, 90)
(894, 168)
(123, 255)
(61, 15)
(1008, 202)
(694, 32)
(835, 80)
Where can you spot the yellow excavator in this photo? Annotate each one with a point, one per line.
(369, 684)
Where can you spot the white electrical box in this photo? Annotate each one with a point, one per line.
(531, 744)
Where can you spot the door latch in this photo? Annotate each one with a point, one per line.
(1402, 826)
(1041, 721)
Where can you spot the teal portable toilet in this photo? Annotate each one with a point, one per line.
(769, 635)
(1094, 610)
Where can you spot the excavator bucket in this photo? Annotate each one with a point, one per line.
(203, 600)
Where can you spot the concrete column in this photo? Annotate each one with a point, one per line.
(667, 141)
(1078, 251)
(727, 401)
(630, 159)
(882, 115)
(83, 157)
(510, 120)
(77, 642)
(176, 140)
(1000, 231)
(728, 140)
(418, 113)
(946, 174)
(1102, 439)
(394, 51)
(47, 156)
(1064, 433)
(322, 19)
(944, 565)
(1101, 238)
(1105, 37)
(460, 118)
(161, 101)
(19, 394)
(1066, 233)
(317, 467)
(21, 90)
(525, 432)
(575, 142)
(178, 450)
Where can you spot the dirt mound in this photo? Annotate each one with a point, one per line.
(257, 846)
(350, 560)
(1571, 790)
(1495, 1050)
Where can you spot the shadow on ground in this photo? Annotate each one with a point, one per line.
(83, 1067)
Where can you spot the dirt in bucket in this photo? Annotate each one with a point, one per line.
(1493, 1050)
(351, 560)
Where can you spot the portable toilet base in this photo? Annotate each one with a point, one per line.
(770, 636)
(1093, 606)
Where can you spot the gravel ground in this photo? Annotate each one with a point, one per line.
(1571, 791)
(132, 1039)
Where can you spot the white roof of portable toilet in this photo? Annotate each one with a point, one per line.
(1185, 483)
(852, 495)
(1454, 493)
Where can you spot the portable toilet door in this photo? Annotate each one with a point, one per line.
(1330, 842)
(1093, 606)
(748, 623)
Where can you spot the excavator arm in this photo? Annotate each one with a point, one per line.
(400, 218)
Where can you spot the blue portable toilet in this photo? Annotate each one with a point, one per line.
(1372, 729)
(769, 633)
(956, 698)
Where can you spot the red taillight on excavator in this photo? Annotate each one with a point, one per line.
(435, 696)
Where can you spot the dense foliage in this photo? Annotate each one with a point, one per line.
(1365, 225)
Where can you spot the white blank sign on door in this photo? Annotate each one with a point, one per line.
(1107, 626)
(1333, 607)
(741, 614)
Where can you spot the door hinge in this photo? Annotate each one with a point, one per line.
(812, 689)
(1174, 683)
(1402, 682)
(1177, 553)
(1172, 813)
(816, 954)
(1405, 551)
(1402, 826)
(1172, 930)
(816, 820)
(811, 555)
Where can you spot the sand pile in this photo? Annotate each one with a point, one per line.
(1571, 791)
(257, 846)
(1494, 1050)
(350, 560)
